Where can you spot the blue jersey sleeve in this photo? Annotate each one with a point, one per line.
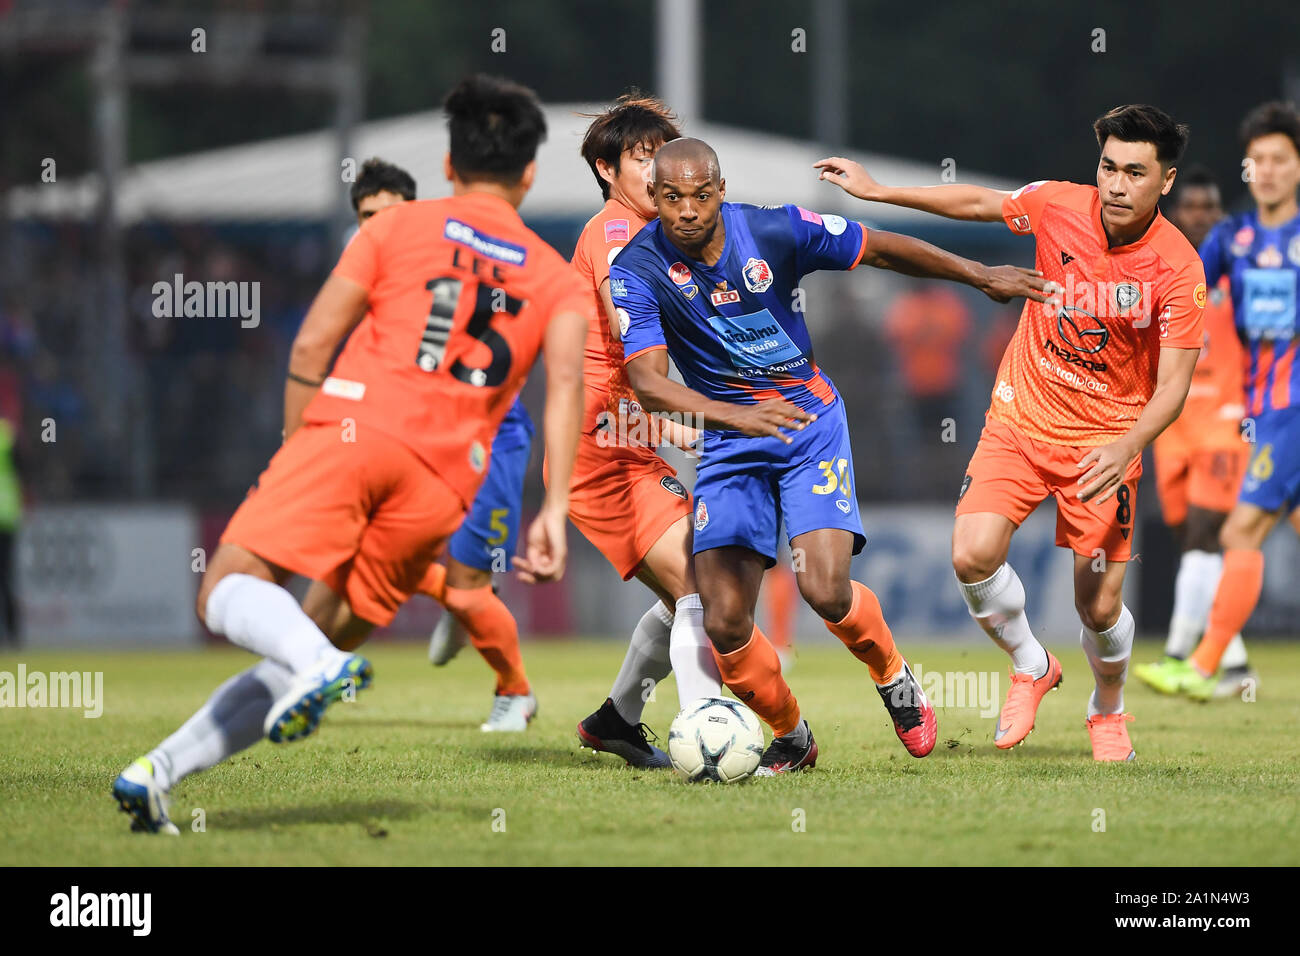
(825, 241)
(1212, 254)
(638, 312)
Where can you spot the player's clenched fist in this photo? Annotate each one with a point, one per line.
(546, 548)
(769, 417)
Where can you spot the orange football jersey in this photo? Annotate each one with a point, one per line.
(604, 236)
(1081, 367)
(460, 294)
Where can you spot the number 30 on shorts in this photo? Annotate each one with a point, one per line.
(836, 473)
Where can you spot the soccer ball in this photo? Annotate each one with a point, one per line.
(715, 738)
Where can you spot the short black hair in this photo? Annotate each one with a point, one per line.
(378, 176)
(1271, 117)
(634, 119)
(1139, 123)
(495, 125)
(1193, 177)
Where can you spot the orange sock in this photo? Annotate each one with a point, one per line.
(434, 582)
(1234, 603)
(865, 633)
(780, 588)
(493, 632)
(753, 673)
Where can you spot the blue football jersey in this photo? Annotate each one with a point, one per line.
(1263, 269)
(735, 330)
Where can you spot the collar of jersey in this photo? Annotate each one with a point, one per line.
(488, 199)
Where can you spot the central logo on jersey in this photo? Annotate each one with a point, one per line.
(722, 295)
(1127, 295)
(1269, 258)
(701, 516)
(673, 485)
(1080, 330)
(758, 275)
(679, 273)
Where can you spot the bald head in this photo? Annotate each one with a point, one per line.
(688, 191)
(682, 159)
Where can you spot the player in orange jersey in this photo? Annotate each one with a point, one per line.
(463, 585)
(1087, 382)
(445, 305)
(1200, 459)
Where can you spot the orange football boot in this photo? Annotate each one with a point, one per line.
(1021, 706)
(1109, 734)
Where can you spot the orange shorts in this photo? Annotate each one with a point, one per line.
(1011, 474)
(365, 517)
(623, 499)
(1204, 474)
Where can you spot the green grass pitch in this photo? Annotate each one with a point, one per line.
(404, 776)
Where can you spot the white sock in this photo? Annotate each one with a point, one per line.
(998, 606)
(264, 618)
(1234, 655)
(1198, 577)
(646, 660)
(694, 666)
(1108, 652)
(230, 721)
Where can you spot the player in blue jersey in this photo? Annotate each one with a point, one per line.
(714, 285)
(463, 585)
(1260, 253)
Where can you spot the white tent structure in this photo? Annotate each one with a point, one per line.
(296, 178)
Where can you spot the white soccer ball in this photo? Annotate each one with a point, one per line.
(715, 738)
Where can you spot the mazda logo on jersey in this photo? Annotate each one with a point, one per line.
(1080, 330)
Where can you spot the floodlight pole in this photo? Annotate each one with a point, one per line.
(678, 75)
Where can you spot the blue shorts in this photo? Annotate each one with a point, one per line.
(486, 539)
(745, 486)
(1273, 476)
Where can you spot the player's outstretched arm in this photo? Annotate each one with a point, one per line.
(956, 201)
(547, 547)
(889, 250)
(648, 374)
(1106, 465)
(338, 307)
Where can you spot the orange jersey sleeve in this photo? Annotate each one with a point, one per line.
(1023, 209)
